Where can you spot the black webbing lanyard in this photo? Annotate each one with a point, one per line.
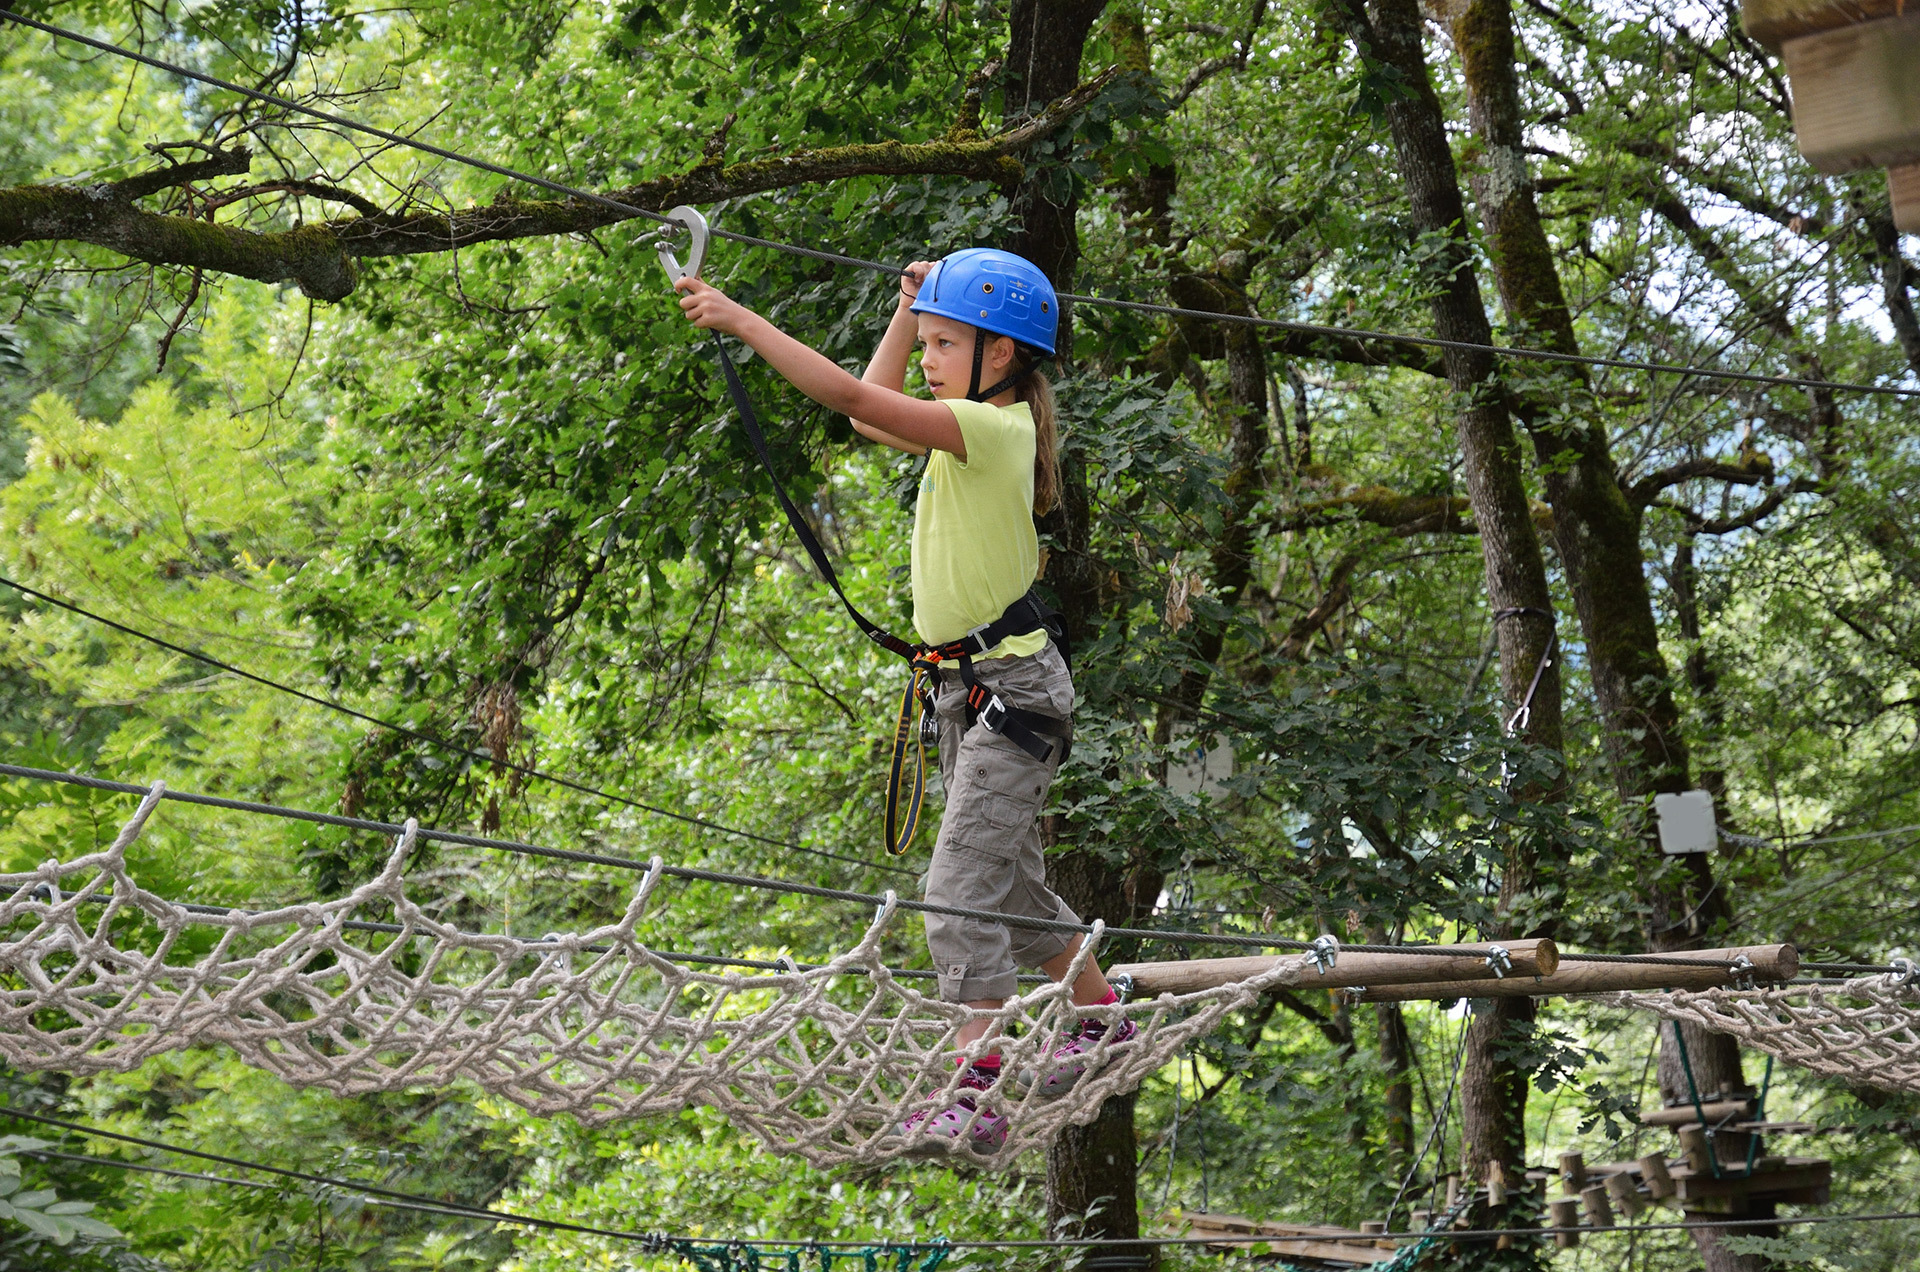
(907, 768)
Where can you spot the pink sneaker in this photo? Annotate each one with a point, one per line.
(1072, 1060)
(936, 1133)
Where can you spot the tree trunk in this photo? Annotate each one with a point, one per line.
(1596, 529)
(1093, 1170)
(1492, 1092)
(1396, 1059)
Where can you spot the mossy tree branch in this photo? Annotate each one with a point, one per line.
(321, 259)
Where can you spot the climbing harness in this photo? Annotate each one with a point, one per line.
(1033, 732)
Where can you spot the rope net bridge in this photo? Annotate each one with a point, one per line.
(369, 993)
(1865, 1030)
(98, 974)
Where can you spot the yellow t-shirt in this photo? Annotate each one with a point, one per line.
(974, 547)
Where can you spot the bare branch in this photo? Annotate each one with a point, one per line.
(1235, 61)
(1752, 469)
(312, 189)
(1403, 514)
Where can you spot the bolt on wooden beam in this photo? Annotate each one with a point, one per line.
(1771, 963)
(1529, 959)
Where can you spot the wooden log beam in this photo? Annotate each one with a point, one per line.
(1716, 1112)
(1771, 963)
(1530, 959)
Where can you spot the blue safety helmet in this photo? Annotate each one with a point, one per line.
(996, 292)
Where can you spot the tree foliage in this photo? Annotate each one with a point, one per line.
(437, 445)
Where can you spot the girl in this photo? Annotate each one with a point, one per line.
(978, 317)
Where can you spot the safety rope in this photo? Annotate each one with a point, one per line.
(812, 253)
(1707, 1128)
(906, 787)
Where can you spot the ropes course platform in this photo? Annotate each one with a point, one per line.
(1324, 1245)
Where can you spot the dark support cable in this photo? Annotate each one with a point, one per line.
(1261, 941)
(814, 253)
(413, 1201)
(450, 747)
(1706, 1128)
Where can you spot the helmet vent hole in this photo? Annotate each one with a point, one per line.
(986, 287)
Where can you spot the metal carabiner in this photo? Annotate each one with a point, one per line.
(695, 225)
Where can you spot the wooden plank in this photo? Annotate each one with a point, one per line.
(1774, 21)
(1903, 185)
(1291, 1240)
(1531, 958)
(1856, 95)
(1770, 962)
(1798, 1175)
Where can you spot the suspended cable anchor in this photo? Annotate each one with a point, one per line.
(1325, 952)
(1741, 972)
(1905, 972)
(1499, 961)
(1122, 986)
(696, 226)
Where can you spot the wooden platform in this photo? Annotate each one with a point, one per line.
(1804, 1181)
(1335, 1247)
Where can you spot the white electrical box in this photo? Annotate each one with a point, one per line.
(1201, 768)
(1686, 822)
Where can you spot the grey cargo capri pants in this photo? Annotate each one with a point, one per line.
(988, 855)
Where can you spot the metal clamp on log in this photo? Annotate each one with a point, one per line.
(1499, 961)
(1325, 952)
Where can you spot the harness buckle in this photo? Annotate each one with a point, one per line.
(975, 641)
(993, 714)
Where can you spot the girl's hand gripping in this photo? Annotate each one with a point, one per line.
(911, 280)
(707, 307)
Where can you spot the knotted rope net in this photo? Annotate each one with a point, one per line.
(1865, 1030)
(98, 974)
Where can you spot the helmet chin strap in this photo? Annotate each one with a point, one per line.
(974, 392)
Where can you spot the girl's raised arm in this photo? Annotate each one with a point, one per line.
(881, 412)
(888, 370)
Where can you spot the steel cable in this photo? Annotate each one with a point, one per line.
(415, 1201)
(451, 747)
(794, 888)
(814, 253)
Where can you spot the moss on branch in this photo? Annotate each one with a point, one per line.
(320, 258)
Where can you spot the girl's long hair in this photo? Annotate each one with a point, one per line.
(1037, 392)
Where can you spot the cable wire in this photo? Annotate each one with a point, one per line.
(453, 748)
(671, 956)
(793, 888)
(814, 253)
(414, 1201)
